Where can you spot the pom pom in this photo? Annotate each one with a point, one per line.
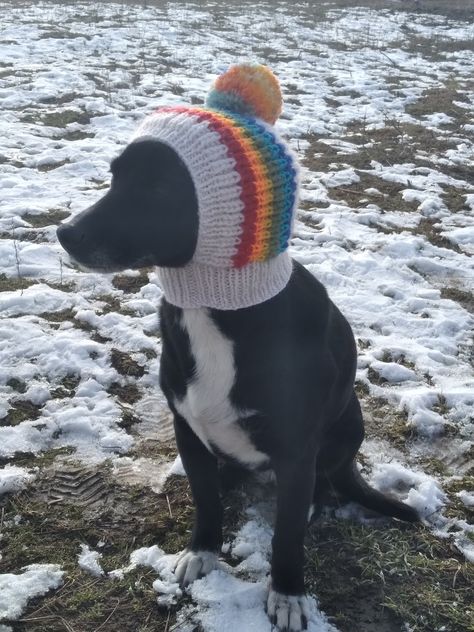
(248, 89)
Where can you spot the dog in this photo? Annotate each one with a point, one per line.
(266, 386)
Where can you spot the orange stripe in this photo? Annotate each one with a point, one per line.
(260, 245)
(254, 232)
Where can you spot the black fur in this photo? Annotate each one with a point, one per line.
(295, 359)
(148, 217)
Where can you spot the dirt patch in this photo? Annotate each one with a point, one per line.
(441, 99)
(126, 365)
(383, 420)
(367, 578)
(131, 284)
(71, 505)
(12, 284)
(67, 387)
(17, 385)
(21, 410)
(455, 199)
(128, 393)
(394, 143)
(427, 227)
(52, 217)
(58, 118)
(51, 166)
(375, 578)
(466, 299)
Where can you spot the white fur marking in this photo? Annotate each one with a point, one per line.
(191, 565)
(206, 405)
(287, 611)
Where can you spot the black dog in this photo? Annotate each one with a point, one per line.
(266, 386)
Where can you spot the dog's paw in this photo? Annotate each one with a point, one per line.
(287, 612)
(191, 565)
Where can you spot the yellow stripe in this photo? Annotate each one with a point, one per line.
(264, 193)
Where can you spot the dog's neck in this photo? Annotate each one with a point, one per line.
(197, 285)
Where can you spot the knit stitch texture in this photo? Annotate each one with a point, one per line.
(246, 183)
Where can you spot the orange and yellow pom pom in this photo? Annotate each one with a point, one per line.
(249, 89)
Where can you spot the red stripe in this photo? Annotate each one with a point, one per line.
(243, 167)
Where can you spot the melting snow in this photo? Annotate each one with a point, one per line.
(89, 561)
(14, 478)
(17, 589)
(230, 599)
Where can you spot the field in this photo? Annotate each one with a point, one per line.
(379, 106)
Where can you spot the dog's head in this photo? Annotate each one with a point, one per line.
(216, 185)
(149, 216)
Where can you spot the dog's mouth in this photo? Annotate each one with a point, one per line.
(100, 262)
(96, 263)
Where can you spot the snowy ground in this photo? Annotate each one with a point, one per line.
(379, 104)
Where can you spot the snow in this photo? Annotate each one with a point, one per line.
(89, 561)
(466, 497)
(338, 178)
(229, 599)
(425, 494)
(142, 471)
(462, 236)
(14, 478)
(17, 589)
(177, 468)
(393, 372)
(229, 604)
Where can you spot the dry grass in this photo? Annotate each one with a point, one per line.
(130, 518)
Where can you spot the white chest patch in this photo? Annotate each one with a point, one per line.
(206, 405)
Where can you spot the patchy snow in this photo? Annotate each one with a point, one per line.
(14, 478)
(143, 557)
(466, 497)
(17, 589)
(177, 468)
(142, 471)
(89, 561)
(229, 604)
(338, 178)
(425, 494)
(420, 491)
(229, 599)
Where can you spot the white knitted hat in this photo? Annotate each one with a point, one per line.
(246, 183)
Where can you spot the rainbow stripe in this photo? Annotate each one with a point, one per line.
(268, 181)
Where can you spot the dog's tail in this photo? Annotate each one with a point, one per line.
(349, 482)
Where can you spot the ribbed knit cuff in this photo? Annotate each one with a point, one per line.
(198, 285)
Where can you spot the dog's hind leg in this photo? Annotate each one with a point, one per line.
(201, 468)
(343, 473)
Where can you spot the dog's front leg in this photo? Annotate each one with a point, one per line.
(287, 604)
(200, 466)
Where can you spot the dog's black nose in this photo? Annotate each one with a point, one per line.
(69, 236)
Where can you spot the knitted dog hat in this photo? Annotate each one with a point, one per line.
(246, 182)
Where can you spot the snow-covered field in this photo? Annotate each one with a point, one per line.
(379, 105)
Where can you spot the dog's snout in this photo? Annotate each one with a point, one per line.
(69, 236)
